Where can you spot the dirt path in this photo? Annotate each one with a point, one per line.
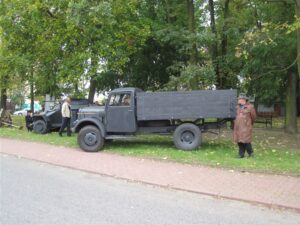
(270, 190)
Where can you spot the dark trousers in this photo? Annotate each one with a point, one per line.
(245, 147)
(29, 123)
(29, 127)
(66, 122)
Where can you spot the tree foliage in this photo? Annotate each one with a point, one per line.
(79, 47)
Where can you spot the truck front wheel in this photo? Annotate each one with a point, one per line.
(90, 139)
(187, 136)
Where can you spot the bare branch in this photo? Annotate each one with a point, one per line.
(50, 14)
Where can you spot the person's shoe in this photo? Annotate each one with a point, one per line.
(251, 155)
(240, 156)
(60, 134)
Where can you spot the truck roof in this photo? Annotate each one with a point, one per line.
(131, 89)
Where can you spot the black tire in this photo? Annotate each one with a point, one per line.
(40, 127)
(187, 137)
(90, 139)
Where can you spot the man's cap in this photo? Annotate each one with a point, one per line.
(243, 96)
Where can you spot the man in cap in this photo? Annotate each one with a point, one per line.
(66, 117)
(242, 132)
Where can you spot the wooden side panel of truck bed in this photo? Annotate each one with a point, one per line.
(186, 105)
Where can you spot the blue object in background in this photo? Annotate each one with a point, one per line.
(37, 106)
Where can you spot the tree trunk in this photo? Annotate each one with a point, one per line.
(224, 72)
(297, 6)
(4, 81)
(191, 27)
(291, 103)
(298, 97)
(258, 21)
(3, 98)
(93, 81)
(224, 29)
(76, 88)
(92, 90)
(31, 97)
(167, 5)
(31, 93)
(214, 47)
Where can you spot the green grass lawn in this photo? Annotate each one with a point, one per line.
(216, 151)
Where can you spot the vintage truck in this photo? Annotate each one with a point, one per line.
(129, 111)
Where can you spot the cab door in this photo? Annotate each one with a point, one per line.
(120, 113)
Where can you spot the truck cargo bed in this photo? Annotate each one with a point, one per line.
(186, 105)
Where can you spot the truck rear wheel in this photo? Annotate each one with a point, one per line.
(187, 136)
(90, 139)
(40, 126)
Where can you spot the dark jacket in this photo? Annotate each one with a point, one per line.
(28, 120)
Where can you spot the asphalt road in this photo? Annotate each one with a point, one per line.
(40, 194)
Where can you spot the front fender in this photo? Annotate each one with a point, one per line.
(90, 121)
(38, 117)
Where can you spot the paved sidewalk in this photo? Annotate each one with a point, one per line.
(271, 190)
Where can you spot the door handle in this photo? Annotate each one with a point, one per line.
(130, 110)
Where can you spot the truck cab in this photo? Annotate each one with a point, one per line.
(99, 124)
(120, 111)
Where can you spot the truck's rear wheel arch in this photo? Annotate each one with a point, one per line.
(187, 136)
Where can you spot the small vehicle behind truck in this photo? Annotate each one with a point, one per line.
(129, 111)
(52, 119)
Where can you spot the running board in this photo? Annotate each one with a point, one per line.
(120, 137)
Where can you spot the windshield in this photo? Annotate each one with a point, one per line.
(55, 107)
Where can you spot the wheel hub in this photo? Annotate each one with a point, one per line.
(38, 127)
(90, 139)
(187, 137)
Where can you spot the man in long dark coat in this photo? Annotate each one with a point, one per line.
(242, 133)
